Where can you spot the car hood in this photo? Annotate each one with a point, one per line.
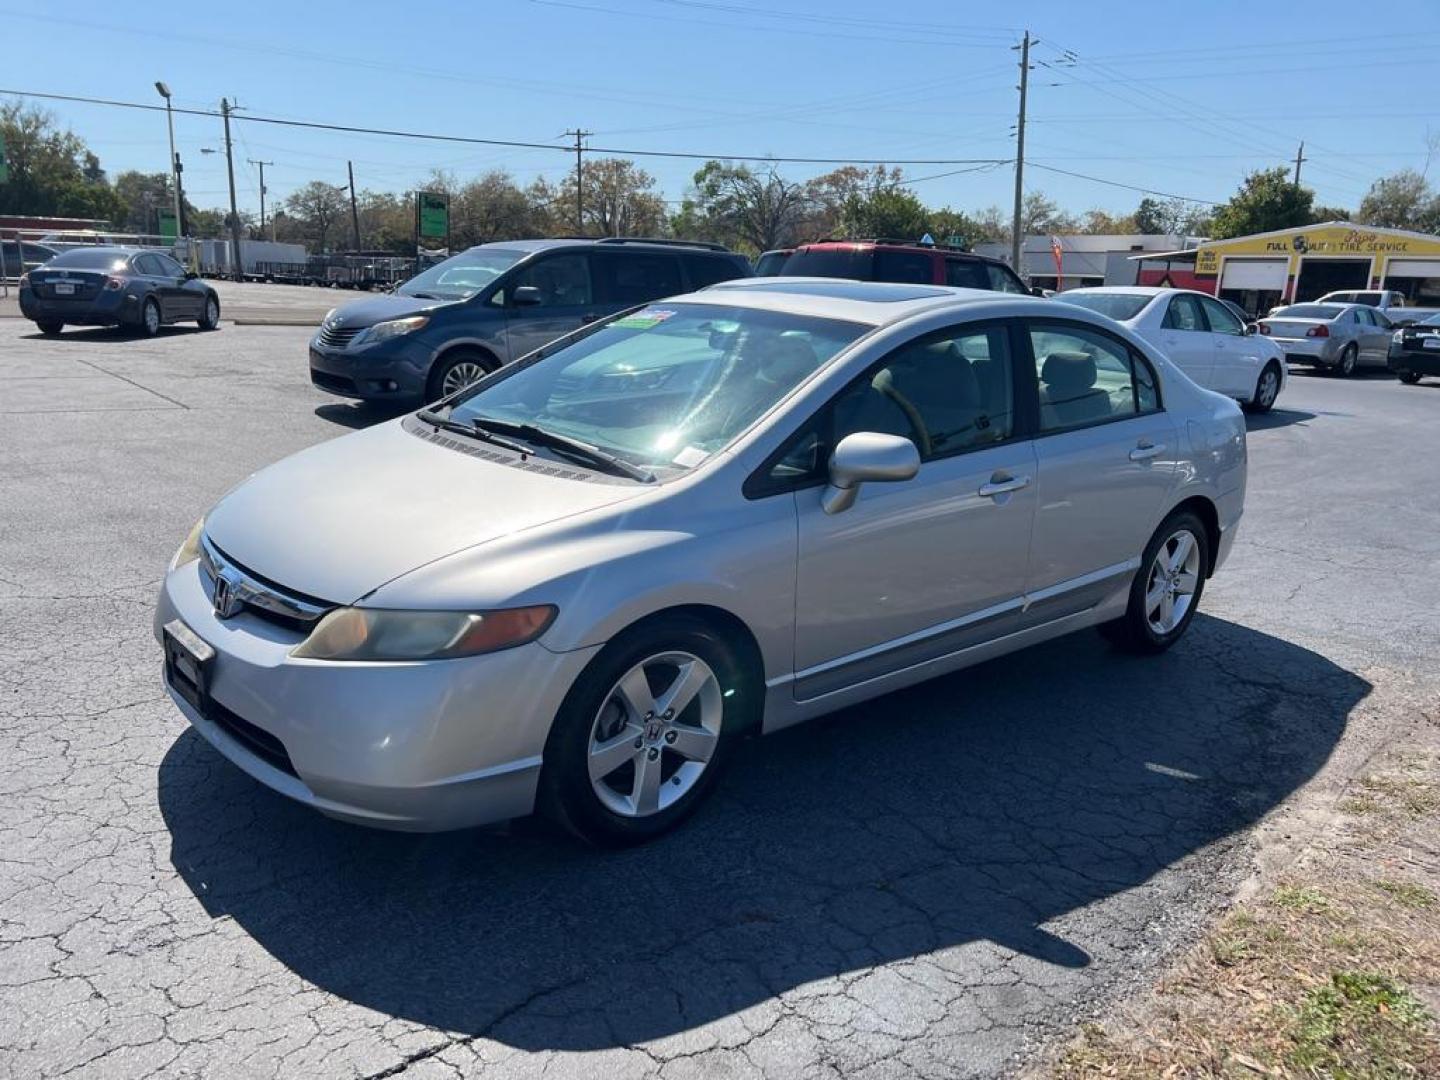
(341, 519)
(374, 309)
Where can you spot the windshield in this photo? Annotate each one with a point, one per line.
(842, 262)
(1120, 306)
(664, 387)
(1306, 311)
(1430, 320)
(89, 259)
(462, 276)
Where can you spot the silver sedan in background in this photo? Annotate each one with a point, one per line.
(575, 584)
(1336, 337)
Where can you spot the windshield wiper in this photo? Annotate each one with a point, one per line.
(423, 295)
(473, 430)
(571, 447)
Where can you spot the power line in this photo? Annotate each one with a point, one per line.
(1129, 187)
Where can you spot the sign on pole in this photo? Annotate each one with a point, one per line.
(433, 210)
(168, 232)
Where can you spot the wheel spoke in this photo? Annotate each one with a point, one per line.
(1155, 596)
(1167, 610)
(697, 744)
(608, 756)
(1183, 543)
(1187, 582)
(690, 679)
(645, 795)
(634, 690)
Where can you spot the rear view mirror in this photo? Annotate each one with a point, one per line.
(867, 457)
(528, 296)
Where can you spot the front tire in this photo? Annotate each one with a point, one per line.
(1409, 378)
(210, 314)
(1167, 588)
(1348, 357)
(149, 324)
(49, 327)
(644, 733)
(1267, 389)
(455, 371)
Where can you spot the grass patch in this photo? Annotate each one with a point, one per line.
(1414, 797)
(1359, 1024)
(1408, 894)
(1301, 898)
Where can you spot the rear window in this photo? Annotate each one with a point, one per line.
(635, 277)
(90, 259)
(708, 269)
(1307, 311)
(1118, 306)
(831, 262)
(908, 267)
(771, 263)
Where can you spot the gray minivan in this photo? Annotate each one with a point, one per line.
(467, 315)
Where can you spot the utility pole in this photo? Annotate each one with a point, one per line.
(579, 179)
(239, 266)
(354, 210)
(262, 164)
(1016, 237)
(1299, 158)
(164, 91)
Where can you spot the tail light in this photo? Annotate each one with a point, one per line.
(1318, 331)
(114, 283)
(1265, 329)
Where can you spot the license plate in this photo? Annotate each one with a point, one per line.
(187, 663)
(1432, 343)
(64, 289)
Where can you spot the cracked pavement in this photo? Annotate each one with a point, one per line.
(930, 885)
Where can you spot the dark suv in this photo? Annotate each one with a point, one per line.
(903, 261)
(464, 317)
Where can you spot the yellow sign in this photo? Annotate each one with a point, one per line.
(1207, 261)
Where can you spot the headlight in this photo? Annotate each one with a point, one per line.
(384, 331)
(1398, 336)
(375, 634)
(190, 549)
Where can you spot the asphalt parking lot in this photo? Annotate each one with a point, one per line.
(930, 885)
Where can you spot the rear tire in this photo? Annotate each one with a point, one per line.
(1348, 357)
(456, 370)
(210, 314)
(1171, 576)
(49, 327)
(1409, 378)
(149, 324)
(1267, 389)
(611, 809)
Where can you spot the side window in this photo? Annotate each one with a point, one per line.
(563, 280)
(1002, 280)
(708, 269)
(966, 273)
(148, 265)
(1087, 377)
(1222, 319)
(908, 267)
(1381, 320)
(634, 278)
(1184, 314)
(169, 266)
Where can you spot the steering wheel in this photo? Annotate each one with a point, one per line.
(885, 384)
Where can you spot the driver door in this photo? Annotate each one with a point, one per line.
(566, 302)
(919, 569)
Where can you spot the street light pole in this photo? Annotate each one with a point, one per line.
(174, 159)
(262, 165)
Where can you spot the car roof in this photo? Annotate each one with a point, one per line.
(898, 245)
(876, 303)
(1129, 290)
(607, 244)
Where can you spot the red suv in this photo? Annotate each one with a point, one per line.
(904, 261)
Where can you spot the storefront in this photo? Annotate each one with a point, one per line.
(1294, 265)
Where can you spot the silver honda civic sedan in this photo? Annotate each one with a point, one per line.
(574, 585)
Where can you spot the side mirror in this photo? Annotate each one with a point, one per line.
(1249, 329)
(867, 457)
(527, 296)
(1036, 290)
(191, 275)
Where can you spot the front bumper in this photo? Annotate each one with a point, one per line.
(395, 369)
(110, 307)
(422, 746)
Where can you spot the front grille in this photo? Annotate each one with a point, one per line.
(260, 596)
(257, 740)
(337, 337)
(340, 384)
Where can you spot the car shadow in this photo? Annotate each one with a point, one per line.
(1277, 418)
(108, 335)
(361, 414)
(977, 807)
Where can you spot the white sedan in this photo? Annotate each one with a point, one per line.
(1200, 335)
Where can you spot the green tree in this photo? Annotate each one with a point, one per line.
(1402, 201)
(888, 212)
(947, 225)
(752, 210)
(830, 194)
(1099, 222)
(1266, 201)
(52, 172)
(314, 211)
(620, 200)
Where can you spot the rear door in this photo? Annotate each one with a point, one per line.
(623, 279)
(566, 301)
(147, 267)
(1238, 358)
(1374, 335)
(1185, 339)
(1106, 450)
(189, 295)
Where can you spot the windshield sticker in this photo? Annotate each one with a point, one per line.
(644, 320)
(689, 457)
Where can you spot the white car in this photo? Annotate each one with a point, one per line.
(1200, 335)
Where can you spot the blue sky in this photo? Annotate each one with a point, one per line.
(1180, 98)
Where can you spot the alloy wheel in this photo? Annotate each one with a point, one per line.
(1347, 362)
(212, 312)
(152, 318)
(460, 376)
(1171, 583)
(655, 734)
(1269, 388)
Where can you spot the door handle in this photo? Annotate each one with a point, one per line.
(1146, 450)
(1000, 485)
